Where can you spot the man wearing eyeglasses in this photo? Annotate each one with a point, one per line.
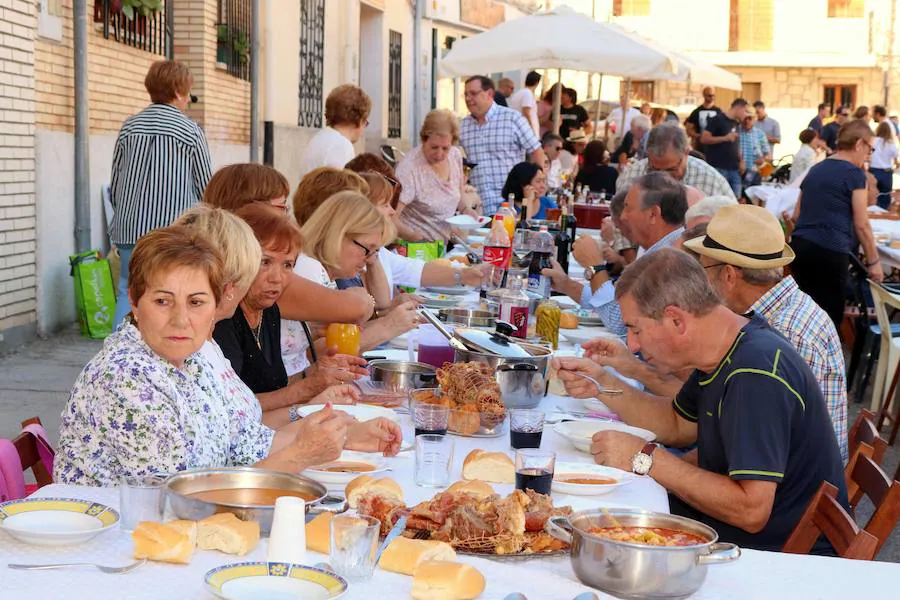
(696, 121)
(668, 151)
(496, 138)
(553, 145)
(830, 131)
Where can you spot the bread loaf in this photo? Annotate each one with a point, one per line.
(442, 580)
(159, 542)
(403, 554)
(318, 533)
(479, 489)
(227, 533)
(495, 467)
(363, 484)
(189, 528)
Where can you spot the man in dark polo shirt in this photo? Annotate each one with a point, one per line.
(764, 438)
(722, 141)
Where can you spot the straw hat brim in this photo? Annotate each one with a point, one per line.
(735, 258)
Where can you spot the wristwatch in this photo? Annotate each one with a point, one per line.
(642, 462)
(457, 276)
(589, 272)
(292, 413)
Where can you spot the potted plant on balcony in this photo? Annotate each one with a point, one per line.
(241, 46)
(137, 12)
(232, 45)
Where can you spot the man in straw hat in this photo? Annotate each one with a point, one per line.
(751, 404)
(743, 254)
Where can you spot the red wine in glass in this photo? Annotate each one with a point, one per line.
(539, 480)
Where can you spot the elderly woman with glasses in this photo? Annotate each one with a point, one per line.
(831, 221)
(432, 180)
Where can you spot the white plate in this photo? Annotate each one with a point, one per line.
(329, 478)
(55, 521)
(273, 581)
(580, 432)
(580, 489)
(456, 290)
(440, 300)
(594, 405)
(467, 222)
(362, 412)
(400, 342)
(584, 333)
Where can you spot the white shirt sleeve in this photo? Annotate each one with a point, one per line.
(401, 270)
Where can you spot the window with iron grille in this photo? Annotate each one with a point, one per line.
(137, 23)
(312, 61)
(233, 31)
(395, 76)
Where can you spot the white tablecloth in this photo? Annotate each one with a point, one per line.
(890, 257)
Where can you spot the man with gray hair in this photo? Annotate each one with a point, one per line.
(704, 210)
(654, 218)
(668, 151)
(751, 405)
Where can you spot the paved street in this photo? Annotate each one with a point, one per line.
(36, 380)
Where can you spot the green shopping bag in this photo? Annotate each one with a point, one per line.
(422, 250)
(95, 298)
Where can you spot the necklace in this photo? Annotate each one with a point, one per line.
(256, 332)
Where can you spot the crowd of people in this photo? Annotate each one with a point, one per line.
(228, 281)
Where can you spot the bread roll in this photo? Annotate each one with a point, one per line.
(403, 554)
(479, 489)
(189, 528)
(384, 486)
(568, 320)
(159, 542)
(318, 533)
(442, 580)
(227, 533)
(495, 467)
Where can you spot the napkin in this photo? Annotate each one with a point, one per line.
(287, 542)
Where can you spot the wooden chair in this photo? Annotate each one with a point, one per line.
(865, 431)
(825, 516)
(862, 449)
(27, 446)
(884, 413)
(884, 494)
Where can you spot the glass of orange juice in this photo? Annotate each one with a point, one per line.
(343, 338)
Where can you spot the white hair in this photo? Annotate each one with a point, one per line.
(708, 207)
(642, 121)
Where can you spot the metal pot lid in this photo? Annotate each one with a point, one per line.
(493, 342)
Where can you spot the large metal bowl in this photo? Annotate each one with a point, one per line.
(180, 486)
(468, 317)
(630, 570)
(402, 376)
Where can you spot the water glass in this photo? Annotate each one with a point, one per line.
(141, 499)
(430, 418)
(534, 470)
(354, 541)
(526, 427)
(434, 458)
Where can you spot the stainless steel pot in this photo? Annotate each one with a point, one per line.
(534, 369)
(402, 376)
(468, 317)
(180, 486)
(631, 570)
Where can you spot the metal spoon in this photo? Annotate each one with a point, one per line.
(600, 388)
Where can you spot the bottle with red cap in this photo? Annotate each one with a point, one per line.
(497, 253)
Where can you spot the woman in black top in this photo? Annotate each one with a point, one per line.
(251, 339)
(596, 172)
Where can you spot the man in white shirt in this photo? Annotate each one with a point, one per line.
(553, 146)
(614, 119)
(525, 102)
(347, 111)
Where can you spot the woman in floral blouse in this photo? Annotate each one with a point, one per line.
(147, 403)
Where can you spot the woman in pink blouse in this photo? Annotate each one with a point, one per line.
(432, 180)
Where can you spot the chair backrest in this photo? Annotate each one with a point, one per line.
(33, 451)
(825, 516)
(884, 494)
(883, 299)
(853, 493)
(867, 433)
(852, 435)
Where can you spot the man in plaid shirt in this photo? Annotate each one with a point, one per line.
(496, 138)
(755, 151)
(752, 281)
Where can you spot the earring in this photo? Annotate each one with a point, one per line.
(229, 297)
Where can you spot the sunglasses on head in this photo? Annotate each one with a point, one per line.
(387, 178)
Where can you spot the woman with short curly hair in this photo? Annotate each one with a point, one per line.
(347, 111)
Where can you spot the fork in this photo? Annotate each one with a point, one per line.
(105, 569)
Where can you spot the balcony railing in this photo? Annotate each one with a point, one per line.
(135, 23)
(233, 37)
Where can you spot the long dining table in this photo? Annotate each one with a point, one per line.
(755, 574)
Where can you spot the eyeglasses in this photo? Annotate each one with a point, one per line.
(718, 264)
(871, 148)
(387, 178)
(367, 251)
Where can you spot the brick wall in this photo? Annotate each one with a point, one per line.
(116, 77)
(17, 216)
